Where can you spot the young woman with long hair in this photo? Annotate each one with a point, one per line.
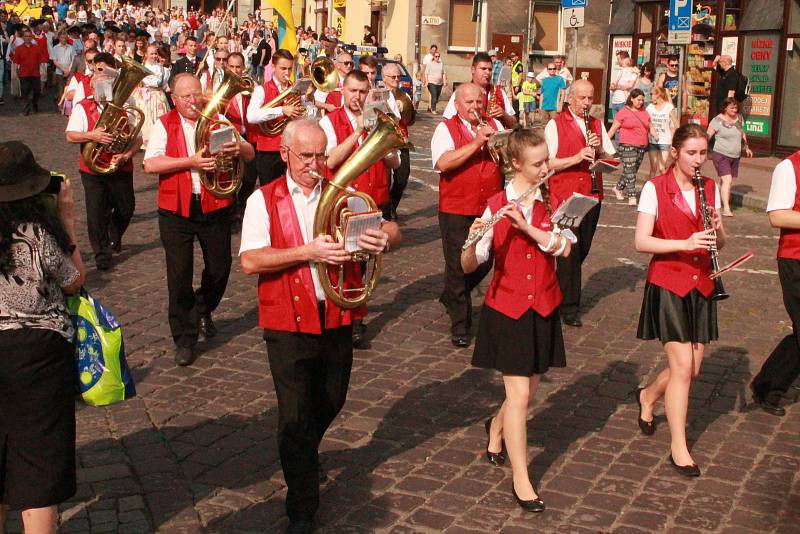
(664, 119)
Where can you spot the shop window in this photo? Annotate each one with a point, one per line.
(646, 18)
(794, 16)
(462, 29)
(733, 14)
(547, 28)
(789, 133)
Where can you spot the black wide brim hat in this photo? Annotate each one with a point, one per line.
(20, 176)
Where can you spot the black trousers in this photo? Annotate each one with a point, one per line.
(248, 185)
(270, 166)
(110, 203)
(213, 232)
(30, 87)
(400, 179)
(311, 374)
(783, 365)
(569, 269)
(457, 285)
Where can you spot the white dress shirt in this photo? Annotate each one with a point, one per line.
(327, 126)
(256, 115)
(784, 187)
(63, 55)
(450, 110)
(157, 146)
(442, 141)
(648, 200)
(551, 136)
(256, 223)
(78, 122)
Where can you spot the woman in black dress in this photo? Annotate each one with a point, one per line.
(677, 307)
(520, 330)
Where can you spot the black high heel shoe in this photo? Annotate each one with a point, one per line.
(495, 458)
(648, 428)
(535, 505)
(690, 470)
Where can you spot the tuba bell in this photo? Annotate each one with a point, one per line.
(333, 211)
(226, 178)
(322, 74)
(116, 120)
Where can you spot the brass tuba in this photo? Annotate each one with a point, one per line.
(226, 178)
(322, 74)
(116, 120)
(332, 212)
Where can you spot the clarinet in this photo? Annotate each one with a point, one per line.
(719, 291)
(587, 121)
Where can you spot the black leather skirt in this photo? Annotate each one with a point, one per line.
(668, 317)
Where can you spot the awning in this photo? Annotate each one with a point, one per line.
(622, 18)
(761, 15)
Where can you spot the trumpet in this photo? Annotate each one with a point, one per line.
(476, 236)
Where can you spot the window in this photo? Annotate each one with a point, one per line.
(733, 15)
(646, 18)
(462, 29)
(548, 34)
(794, 16)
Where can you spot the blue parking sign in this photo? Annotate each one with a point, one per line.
(680, 15)
(569, 4)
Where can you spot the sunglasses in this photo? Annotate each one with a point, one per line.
(673, 64)
(347, 63)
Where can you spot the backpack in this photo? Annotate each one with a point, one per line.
(742, 84)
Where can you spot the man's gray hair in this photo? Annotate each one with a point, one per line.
(392, 67)
(298, 124)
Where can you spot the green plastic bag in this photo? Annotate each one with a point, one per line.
(102, 373)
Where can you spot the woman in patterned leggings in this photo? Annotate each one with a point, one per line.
(633, 123)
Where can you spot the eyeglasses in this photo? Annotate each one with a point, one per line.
(437, 56)
(188, 98)
(392, 76)
(308, 157)
(551, 68)
(347, 63)
(220, 58)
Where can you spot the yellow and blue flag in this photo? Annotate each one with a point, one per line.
(286, 31)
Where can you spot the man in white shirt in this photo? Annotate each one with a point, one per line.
(63, 56)
(429, 56)
(497, 104)
(782, 367)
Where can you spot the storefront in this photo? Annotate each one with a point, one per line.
(760, 35)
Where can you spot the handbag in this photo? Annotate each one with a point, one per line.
(102, 373)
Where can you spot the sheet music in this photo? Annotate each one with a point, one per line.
(357, 225)
(573, 210)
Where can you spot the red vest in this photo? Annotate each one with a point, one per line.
(262, 142)
(466, 190)
(374, 180)
(524, 276)
(335, 98)
(238, 117)
(575, 179)
(286, 299)
(680, 272)
(92, 115)
(175, 189)
(86, 81)
(789, 243)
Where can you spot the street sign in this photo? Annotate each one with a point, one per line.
(569, 4)
(432, 21)
(680, 22)
(572, 17)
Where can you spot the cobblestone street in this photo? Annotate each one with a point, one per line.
(196, 450)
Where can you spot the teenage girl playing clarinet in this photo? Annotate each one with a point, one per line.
(520, 330)
(677, 308)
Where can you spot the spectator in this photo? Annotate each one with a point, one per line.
(3, 50)
(151, 97)
(625, 80)
(551, 87)
(527, 100)
(634, 124)
(63, 57)
(369, 38)
(432, 51)
(727, 82)
(665, 121)
(727, 129)
(561, 69)
(645, 83)
(670, 80)
(435, 78)
(27, 59)
(263, 57)
(39, 263)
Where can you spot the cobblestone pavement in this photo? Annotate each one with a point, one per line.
(196, 451)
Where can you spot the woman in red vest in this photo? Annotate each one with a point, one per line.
(677, 308)
(520, 329)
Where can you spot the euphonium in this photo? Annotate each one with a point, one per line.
(116, 120)
(333, 210)
(226, 178)
(323, 76)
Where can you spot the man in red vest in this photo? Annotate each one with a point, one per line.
(268, 156)
(570, 156)
(188, 210)
(330, 102)
(344, 129)
(308, 336)
(110, 199)
(782, 367)
(468, 177)
(503, 109)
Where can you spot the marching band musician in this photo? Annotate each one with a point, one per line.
(481, 72)
(391, 80)
(79, 85)
(468, 177)
(782, 367)
(677, 307)
(344, 130)
(189, 62)
(187, 210)
(269, 164)
(110, 200)
(570, 158)
(308, 336)
(330, 102)
(519, 333)
(211, 78)
(369, 66)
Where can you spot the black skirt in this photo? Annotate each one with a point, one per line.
(668, 317)
(524, 347)
(37, 418)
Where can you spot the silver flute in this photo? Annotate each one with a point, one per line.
(476, 236)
